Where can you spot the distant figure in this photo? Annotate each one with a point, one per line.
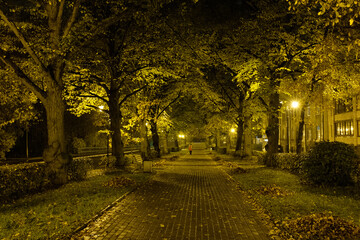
(190, 148)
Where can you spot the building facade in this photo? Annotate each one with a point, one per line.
(328, 121)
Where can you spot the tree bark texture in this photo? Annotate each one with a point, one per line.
(272, 130)
(247, 137)
(155, 137)
(300, 133)
(56, 154)
(144, 140)
(115, 129)
(59, 26)
(218, 143)
(239, 135)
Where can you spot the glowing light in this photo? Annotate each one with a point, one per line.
(181, 136)
(295, 104)
(232, 130)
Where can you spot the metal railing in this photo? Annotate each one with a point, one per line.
(84, 152)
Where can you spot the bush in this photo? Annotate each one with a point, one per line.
(290, 161)
(77, 143)
(153, 154)
(319, 226)
(331, 163)
(269, 160)
(21, 179)
(287, 161)
(108, 161)
(78, 168)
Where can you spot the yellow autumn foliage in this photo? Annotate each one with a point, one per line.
(319, 226)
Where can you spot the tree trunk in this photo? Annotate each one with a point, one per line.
(144, 140)
(247, 137)
(56, 154)
(155, 137)
(218, 143)
(228, 142)
(272, 130)
(299, 136)
(240, 125)
(165, 143)
(239, 136)
(115, 129)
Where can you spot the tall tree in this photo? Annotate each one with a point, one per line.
(36, 37)
(115, 57)
(278, 40)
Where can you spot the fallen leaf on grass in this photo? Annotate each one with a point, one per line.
(159, 163)
(319, 226)
(120, 182)
(273, 191)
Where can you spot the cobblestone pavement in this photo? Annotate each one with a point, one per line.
(191, 198)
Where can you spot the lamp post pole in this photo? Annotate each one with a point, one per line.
(294, 105)
(288, 129)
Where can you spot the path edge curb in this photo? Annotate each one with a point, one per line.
(108, 207)
(268, 222)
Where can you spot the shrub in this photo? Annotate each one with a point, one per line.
(77, 143)
(216, 158)
(7, 141)
(21, 179)
(319, 226)
(287, 161)
(120, 182)
(290, 161)
(107, 161)
(269, 160)
(153, 154)
(331, 163)
(78, 168)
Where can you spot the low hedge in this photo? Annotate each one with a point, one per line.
(79, 167)
(287, 161)
(21, 179)
(290, 161)
(327, 163)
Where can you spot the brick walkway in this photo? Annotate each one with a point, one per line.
(190, 199)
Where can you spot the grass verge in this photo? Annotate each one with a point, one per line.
(285, 197)
(57, 213)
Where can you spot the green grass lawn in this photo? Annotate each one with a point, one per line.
(57, 213)
(296, 199)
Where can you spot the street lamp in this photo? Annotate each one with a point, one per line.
(293, 105)
(182, 136)
(232, 131)
(101, 108)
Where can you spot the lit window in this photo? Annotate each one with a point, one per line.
(344, 128)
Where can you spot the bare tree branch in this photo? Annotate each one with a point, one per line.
(72, 19)
(99, 81)
(131, 94)
(26, 45)
(97, 108)
(41, 94)
(94, 95)
(173, 101)
(60, 14)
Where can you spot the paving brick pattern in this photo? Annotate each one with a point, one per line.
(191, 198)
